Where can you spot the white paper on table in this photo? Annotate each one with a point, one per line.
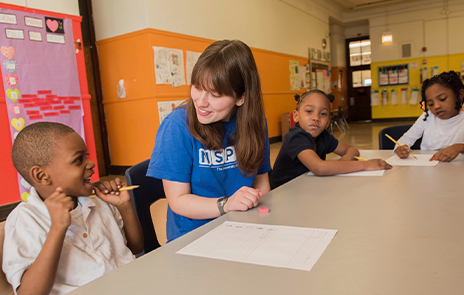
(359, 173)
(269, 245)
(422, 160)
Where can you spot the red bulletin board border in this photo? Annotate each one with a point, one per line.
(8, 175)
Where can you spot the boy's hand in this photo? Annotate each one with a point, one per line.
(243, 199)
(376, 164)
(447, 154)
(402, 151)
(59, 205)
(109, 192)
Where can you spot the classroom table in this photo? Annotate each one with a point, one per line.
(402, 233)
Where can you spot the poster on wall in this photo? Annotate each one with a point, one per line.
(192, 58)
(39, 73)
(166, 107)
(294, 76)
(169, 66)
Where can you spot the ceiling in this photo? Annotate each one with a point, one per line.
(361, 4)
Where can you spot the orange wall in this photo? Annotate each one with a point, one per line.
(132, 122)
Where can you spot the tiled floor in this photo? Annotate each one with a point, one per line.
(362, 135)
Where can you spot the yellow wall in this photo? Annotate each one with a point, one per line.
(132, 122)
(444, 63)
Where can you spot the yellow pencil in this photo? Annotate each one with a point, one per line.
(360, 159)
(126, 188)
(389, 137)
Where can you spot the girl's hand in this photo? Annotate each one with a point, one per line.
(109, 192)
(376, 164)
(402, 151)
(243, 199)
(447, 154)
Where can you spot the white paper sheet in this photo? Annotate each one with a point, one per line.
(422, 160)
(192, 58)
(414, 96)
(394, 97)
(270, 245)
(169, 66)
(360, 173)
(374, 98)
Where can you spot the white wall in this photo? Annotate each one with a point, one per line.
(359, 31)
(337, 46)
(287, 26)
(60, 6)
(420, 23)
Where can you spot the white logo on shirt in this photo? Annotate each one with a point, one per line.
(217, 159)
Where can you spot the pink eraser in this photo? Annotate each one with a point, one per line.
(263, 210)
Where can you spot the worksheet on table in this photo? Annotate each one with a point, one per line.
(422, 160)
(270, 245)
(360, 173)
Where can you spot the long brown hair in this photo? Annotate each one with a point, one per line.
(228, 68)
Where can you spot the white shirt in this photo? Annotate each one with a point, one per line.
(94, 244)
(436, 133)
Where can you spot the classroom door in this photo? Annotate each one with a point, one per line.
(359, 78)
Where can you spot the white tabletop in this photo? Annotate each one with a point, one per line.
(402, 233)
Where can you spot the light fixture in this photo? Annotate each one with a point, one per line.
(387, 37)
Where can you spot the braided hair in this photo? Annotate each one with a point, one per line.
(300, 98)
(449, 80)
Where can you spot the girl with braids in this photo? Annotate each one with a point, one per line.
(306, 145)
(442, 123)
(213, 152)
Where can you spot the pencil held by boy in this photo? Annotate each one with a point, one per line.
(441, 126)
(61, 238)
(306, 145)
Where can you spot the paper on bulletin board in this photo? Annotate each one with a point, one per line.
(302, 76)
(192, 58)
(294, 76)
(374, 98)
(327, 88)
(166, 107)
(404, 95)
(394, 97)
(414, 96)
(384, 97)
(383, 79)
(169, 66)
(320, 79)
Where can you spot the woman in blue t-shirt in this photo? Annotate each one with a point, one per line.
(212, 153)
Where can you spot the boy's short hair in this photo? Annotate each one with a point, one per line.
(35, 145)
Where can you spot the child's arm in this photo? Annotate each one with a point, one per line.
(346, 151)
(319, 167)
(40, 277)
(109, 193)
(448, 154)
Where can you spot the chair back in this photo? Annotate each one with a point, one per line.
(5, 287)
(150, 190)
(395, 132)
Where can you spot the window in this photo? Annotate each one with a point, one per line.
(360, 53)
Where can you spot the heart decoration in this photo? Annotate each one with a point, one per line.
(52, 25)
(8, 52)
(24, 196)
(18, 124)
(11, 80)
(15, 108)
(10, 65)
(25, 183)
(13, 94)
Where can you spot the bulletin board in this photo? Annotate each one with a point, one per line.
(320, 76)
(393, 75)
(43, 73)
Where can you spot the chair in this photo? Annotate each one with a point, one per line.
(395, 132)
(150, 191)
(343, 118)
(5, 287)
(335, 120)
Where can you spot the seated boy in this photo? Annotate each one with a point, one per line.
(60, 238)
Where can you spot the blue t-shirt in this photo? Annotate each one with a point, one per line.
(287, 165)
(177, 156)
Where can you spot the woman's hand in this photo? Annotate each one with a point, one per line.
(243, 199)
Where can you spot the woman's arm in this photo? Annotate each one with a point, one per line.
(346, 151)
(319, 167)
(184, 203)
(261, 183)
